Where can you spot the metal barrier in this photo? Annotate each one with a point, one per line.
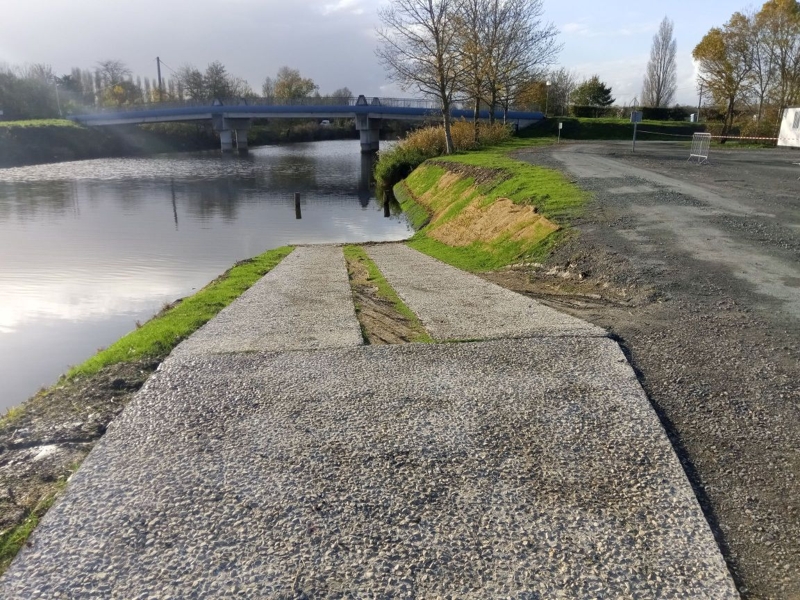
(701, 143)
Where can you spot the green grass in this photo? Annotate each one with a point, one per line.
(38, 123)
(552, 194)
(162, 333)
(386, 291)
(549, 191)
(12, 540)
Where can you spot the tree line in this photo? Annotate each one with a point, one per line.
(484, 51)
(36, 91)
(752, 63)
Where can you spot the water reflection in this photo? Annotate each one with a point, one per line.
(88, 248)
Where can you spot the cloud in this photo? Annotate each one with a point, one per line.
(349, 6)
(582, 29)
(578, 28)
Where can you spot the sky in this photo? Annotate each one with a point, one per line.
(331, 41)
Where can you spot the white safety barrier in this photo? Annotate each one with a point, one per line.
(701, 143)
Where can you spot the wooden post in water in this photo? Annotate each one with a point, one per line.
(297, 213)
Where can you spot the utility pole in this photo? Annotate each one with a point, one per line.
(700, 102)
(160, 86)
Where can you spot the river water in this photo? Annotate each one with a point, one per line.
(89, 248)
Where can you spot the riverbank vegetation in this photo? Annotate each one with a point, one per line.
(160, 335)
(383, 316)
(484, 210)
(44, 440)
(429, 142)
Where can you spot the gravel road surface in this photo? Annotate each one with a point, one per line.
(486, 470)
(696, 271)
(509, 468)
(454, 305)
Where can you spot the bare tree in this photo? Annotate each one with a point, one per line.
(519, 47)
(764, 61)
(472, 34)
(419, 48)
(660, 79)
(268, 87)
(562, 83)
(112, 72)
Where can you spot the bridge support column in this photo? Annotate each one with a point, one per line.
(226, 140)
(228, 128)
(241, 140)
(369, 130)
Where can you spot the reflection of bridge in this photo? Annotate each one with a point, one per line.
(232, 120)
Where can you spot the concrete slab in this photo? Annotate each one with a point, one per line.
(303, 303)
(529, 468)
(455, 305)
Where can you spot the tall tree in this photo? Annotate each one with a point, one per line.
(343, 94)
(763, 74)
(112, 72)
(216, 82)
(778, 22)
(725, 61)
(290, 85)
(472, 33)
(268, 87)
(661, 78)
(536, 94)
(418, 46)
(520, 46)
(193, 83)
(593, 92)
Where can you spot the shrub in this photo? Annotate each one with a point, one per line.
(429, 142)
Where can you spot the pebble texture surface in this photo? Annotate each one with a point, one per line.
(305, 302)
(499, 469)
(455, 305)
(515, 468)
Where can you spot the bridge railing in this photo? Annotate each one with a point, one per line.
(272, 101)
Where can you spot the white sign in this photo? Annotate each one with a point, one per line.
(560, 125)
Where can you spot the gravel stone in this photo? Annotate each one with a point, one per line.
(455, 305)
(305, 302)
(527, 468)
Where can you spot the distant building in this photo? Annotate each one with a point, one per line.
(790, 128)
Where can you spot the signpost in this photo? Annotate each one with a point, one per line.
(636, 118)
(560, 127)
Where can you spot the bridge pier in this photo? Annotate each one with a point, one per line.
(369, 131)
(231, 129)
(226, 140)
(241, 140)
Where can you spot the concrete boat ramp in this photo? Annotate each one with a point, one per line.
(273, 455)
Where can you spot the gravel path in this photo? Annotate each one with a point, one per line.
(705, 298)
(513, 468)
(303, 303)
(455, 305)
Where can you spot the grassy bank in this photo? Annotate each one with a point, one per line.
(483, 210)
(74, 413)
(161, 334)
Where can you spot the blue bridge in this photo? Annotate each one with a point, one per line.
(232, 119)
